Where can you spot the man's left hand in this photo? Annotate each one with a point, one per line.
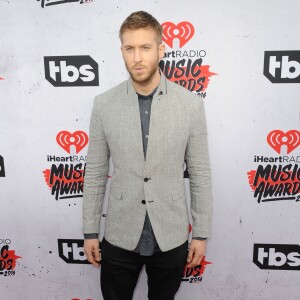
(196, 253)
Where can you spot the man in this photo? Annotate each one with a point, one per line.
(149, 126)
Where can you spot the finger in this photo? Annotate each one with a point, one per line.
(97, 254)
(199, 260)
(90, 257)
(192, 263)
(195, 261)
(94, 262)
(190, 255)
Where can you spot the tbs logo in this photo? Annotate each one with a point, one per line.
(282, 66)
(71, 70)
(277, 256)
(2, 169)
(71, 251)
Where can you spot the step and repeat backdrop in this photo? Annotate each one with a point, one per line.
(243, 57)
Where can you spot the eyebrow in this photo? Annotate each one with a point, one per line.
(143, 45)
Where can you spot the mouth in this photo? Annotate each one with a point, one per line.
(139, 69)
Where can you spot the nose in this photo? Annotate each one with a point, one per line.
(137, 56)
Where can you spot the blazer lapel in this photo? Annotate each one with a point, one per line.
(134, 123)
(157, 125)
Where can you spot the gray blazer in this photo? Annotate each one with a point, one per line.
(177, 132)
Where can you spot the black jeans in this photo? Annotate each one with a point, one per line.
(120, 270)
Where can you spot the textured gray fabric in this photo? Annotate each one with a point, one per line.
(177, 132)
(147, 244)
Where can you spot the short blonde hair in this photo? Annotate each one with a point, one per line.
(141, 19)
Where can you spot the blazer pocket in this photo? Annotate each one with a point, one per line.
(178, 194)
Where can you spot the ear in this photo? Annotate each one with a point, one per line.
(161, 50)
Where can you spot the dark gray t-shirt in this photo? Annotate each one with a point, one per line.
(147, 244)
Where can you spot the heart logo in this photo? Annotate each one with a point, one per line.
(65, 139)
(278, 138)
(183, 31)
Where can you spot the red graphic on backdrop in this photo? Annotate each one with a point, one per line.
(277, 178)
(188, 73)
(255, 180)
(79, 139)
(273, 183)
(193, 275)
(277, 138)
(66, 181)
(72, 175)
(1, 78)
(65, 177)
(183, 31)
(8, 259)
(184, 67)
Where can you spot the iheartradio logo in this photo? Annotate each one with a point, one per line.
(277, 138)
(65, 139)
(183, 31)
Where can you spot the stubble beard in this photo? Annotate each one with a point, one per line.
(142, 80)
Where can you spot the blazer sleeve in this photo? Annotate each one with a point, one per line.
(197, 160)
(96, 173)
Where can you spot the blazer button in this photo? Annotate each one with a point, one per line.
(146, 179)
(143, 201)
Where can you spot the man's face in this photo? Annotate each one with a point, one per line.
(141, 53)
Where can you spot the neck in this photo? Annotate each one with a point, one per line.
(146, 88)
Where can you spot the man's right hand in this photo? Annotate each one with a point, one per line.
(91, 250)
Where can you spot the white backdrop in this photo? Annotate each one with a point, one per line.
(243, 107)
